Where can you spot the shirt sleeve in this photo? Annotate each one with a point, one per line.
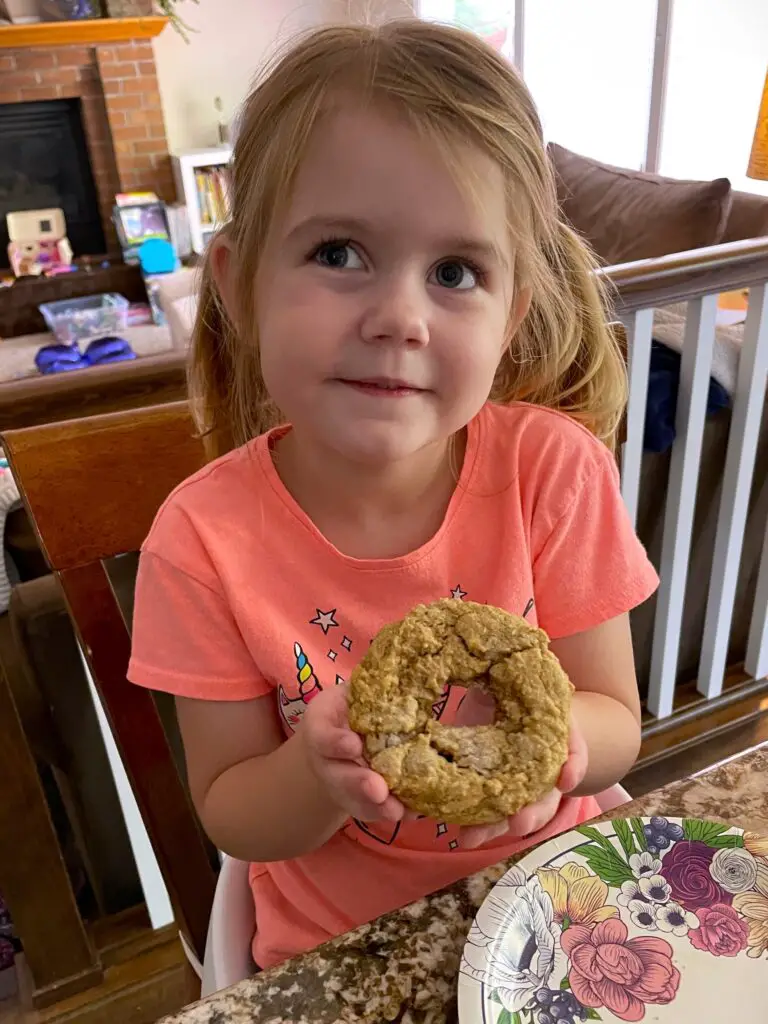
(590, 567)
(185, 638)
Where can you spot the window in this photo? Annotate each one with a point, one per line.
(717, 61)
(494, 20)
(589, 67)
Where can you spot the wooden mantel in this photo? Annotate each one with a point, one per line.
(87, 32)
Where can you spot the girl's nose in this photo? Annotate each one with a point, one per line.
(397, 313)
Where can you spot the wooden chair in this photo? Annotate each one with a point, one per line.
(92, 488)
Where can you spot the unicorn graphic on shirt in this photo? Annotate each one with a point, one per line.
(292, 708)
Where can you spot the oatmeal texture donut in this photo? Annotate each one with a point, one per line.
(467, 775)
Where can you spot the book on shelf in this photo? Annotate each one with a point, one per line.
(212, 184)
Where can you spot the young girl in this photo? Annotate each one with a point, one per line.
(402, 365)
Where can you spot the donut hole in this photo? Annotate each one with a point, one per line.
(477, 707)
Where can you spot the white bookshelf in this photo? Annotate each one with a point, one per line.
(184, 167)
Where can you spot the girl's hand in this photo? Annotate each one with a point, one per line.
(476, 709)
(335, 754)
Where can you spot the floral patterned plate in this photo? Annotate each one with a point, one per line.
(654, 919)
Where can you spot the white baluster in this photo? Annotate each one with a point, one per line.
(639, 328)
(734, 500)
(695, 366)
(756, 658)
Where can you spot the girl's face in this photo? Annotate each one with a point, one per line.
(385, 294)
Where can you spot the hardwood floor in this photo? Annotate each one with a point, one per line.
(654, 772)
(146, 976)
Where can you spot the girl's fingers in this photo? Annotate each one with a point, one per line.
(328, 727)
(373, 787)
(571, 775)
(361, 792)
(473, 836)
(575, 768)
(525, 823)
(391, 810)
(334, 742)
(535, 816)
(330, 706)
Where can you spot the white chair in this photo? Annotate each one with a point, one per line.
(611, 798)
(230, 932)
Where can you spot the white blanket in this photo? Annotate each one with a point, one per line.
(669, 329)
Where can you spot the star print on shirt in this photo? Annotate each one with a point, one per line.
(325, 620)
(457, 593)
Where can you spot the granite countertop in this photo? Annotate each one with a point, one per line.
(403, 967)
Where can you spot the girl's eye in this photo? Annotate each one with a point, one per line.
(338, 256)
(456, 275)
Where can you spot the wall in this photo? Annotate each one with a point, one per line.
(231, 39)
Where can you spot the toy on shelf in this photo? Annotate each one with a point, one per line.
(156, 258)
(86, 318)
(38, 243)
(139, 217)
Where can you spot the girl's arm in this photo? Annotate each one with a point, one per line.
(606, 707)
(263, 798)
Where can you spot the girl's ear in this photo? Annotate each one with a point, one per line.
(224, 269)
(517, 314)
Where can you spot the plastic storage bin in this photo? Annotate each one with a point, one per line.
(93, 316)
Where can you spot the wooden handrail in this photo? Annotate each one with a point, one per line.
(687, 275)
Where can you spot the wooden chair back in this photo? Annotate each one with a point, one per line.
(92, 488)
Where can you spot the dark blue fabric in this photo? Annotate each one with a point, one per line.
(661, 405)
(59, 359)
(108, 350)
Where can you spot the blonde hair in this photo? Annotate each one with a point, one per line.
(454, 89)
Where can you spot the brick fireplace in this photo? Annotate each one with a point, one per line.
(116, 84)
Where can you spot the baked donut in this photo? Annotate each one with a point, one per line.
(466, 775)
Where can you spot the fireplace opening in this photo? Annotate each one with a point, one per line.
(44, 163)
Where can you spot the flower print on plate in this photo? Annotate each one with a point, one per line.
(635, 919)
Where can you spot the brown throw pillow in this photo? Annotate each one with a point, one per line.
(748, 217)
(630, 215)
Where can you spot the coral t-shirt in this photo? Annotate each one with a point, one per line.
(239, 596)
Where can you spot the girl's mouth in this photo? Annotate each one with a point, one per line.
(382, 387)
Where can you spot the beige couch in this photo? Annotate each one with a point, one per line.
(630, 215)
